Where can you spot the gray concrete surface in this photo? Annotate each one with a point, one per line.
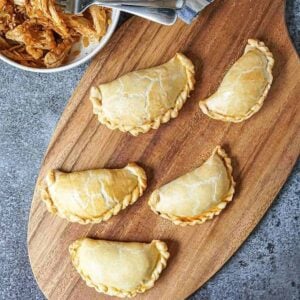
(266, 267)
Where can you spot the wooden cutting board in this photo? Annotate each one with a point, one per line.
(263, 148)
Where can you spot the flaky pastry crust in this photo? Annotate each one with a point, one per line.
(142, 124)
(237, 88)
(208, 214)
(55, 200)
(161, 252)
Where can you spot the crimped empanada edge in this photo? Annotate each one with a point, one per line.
(96, 99)
(252, 44)
(128, 199)
(161, 264)
(45, 195)
(209, 214)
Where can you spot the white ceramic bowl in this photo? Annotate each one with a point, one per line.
(85, 53)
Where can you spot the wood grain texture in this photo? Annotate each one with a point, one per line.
(263, 148)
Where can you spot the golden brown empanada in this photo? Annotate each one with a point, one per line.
(119, 269)
(95, 195)
(244, 87)
(198, 195)
(141, 100)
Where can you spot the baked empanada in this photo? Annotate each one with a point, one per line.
(244, 87)
(95, 195)
(119, 269)
(198, 195)
(141, 100)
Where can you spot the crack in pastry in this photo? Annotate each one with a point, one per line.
(143, 99)
(245, 86)
(118, 268)
(93, 196)
(198, 195)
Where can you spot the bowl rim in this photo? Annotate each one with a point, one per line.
(102, 43)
